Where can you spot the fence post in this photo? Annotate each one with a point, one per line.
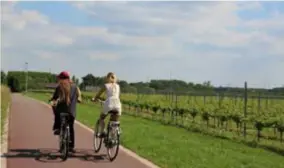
(172, 98)
(245, 109)
(176, 101)
(266, 102)
(176, 106)
(258, 103)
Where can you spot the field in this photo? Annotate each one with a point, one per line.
(5, 100)
(262, 117)
(173, 147)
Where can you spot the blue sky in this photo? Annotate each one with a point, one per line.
(224, 42)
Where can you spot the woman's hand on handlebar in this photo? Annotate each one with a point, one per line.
(52, 102)
(96, 99)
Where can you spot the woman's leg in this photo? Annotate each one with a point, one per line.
(57, 122)
(102, 122)
(72, 132)
(54, 113)
(103, 115)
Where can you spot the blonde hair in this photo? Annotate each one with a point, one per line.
(111, 78)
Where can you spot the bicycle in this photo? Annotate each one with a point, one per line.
(64, 135)
(112, 137)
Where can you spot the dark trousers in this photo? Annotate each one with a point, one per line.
(57, 124)
(72, 132)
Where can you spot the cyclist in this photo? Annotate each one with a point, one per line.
(67, 97)
(112, 102)
(56, 123)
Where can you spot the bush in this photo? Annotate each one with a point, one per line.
(14, 84)
(36, 80)
(5, 99)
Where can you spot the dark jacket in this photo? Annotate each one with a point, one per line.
(62, 105)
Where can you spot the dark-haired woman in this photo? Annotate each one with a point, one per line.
(67, 96)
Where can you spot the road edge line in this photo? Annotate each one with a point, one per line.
(124, 149)
(5, 138)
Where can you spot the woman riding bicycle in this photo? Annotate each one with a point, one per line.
(67, 97)
(112, 102)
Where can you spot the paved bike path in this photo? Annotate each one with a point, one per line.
(31, 143)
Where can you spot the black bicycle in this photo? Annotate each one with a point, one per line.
(112, 137)
(64, 136)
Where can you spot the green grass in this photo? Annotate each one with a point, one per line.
(5, 99)
(172, 147)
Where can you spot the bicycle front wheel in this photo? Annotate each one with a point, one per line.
(113, 141)
(97, 141)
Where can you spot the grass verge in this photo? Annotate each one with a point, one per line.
(5, 100)
(171, 147)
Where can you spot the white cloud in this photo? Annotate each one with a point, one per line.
(103, 56)
(62, 40)
(209, 38)
(48, 54)
(18, 20)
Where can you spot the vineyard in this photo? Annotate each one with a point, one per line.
(258, 116)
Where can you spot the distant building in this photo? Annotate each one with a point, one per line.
(92, 88)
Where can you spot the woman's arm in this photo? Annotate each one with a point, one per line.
(79, 95)
(101, 91)
(55, 94)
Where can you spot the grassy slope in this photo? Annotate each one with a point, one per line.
(172, 147)
(5, 99)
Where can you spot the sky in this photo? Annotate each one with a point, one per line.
(226, 43)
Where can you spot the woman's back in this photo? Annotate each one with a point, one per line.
(63, 106)
(112, 90)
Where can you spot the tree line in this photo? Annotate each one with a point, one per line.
(37, 80)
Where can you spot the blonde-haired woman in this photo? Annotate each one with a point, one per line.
(112, 101)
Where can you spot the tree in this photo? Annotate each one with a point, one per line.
(36, 80)
(73, 78)
(89, 80)
(3, 77)
(14, 84)
(77, 81)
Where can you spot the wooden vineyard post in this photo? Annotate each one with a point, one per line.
(258, 102)
(266, 102)
(245, 109)
(176, 109)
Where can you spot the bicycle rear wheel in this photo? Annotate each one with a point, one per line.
(113, 141)
(97, 141)
(64, 148)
